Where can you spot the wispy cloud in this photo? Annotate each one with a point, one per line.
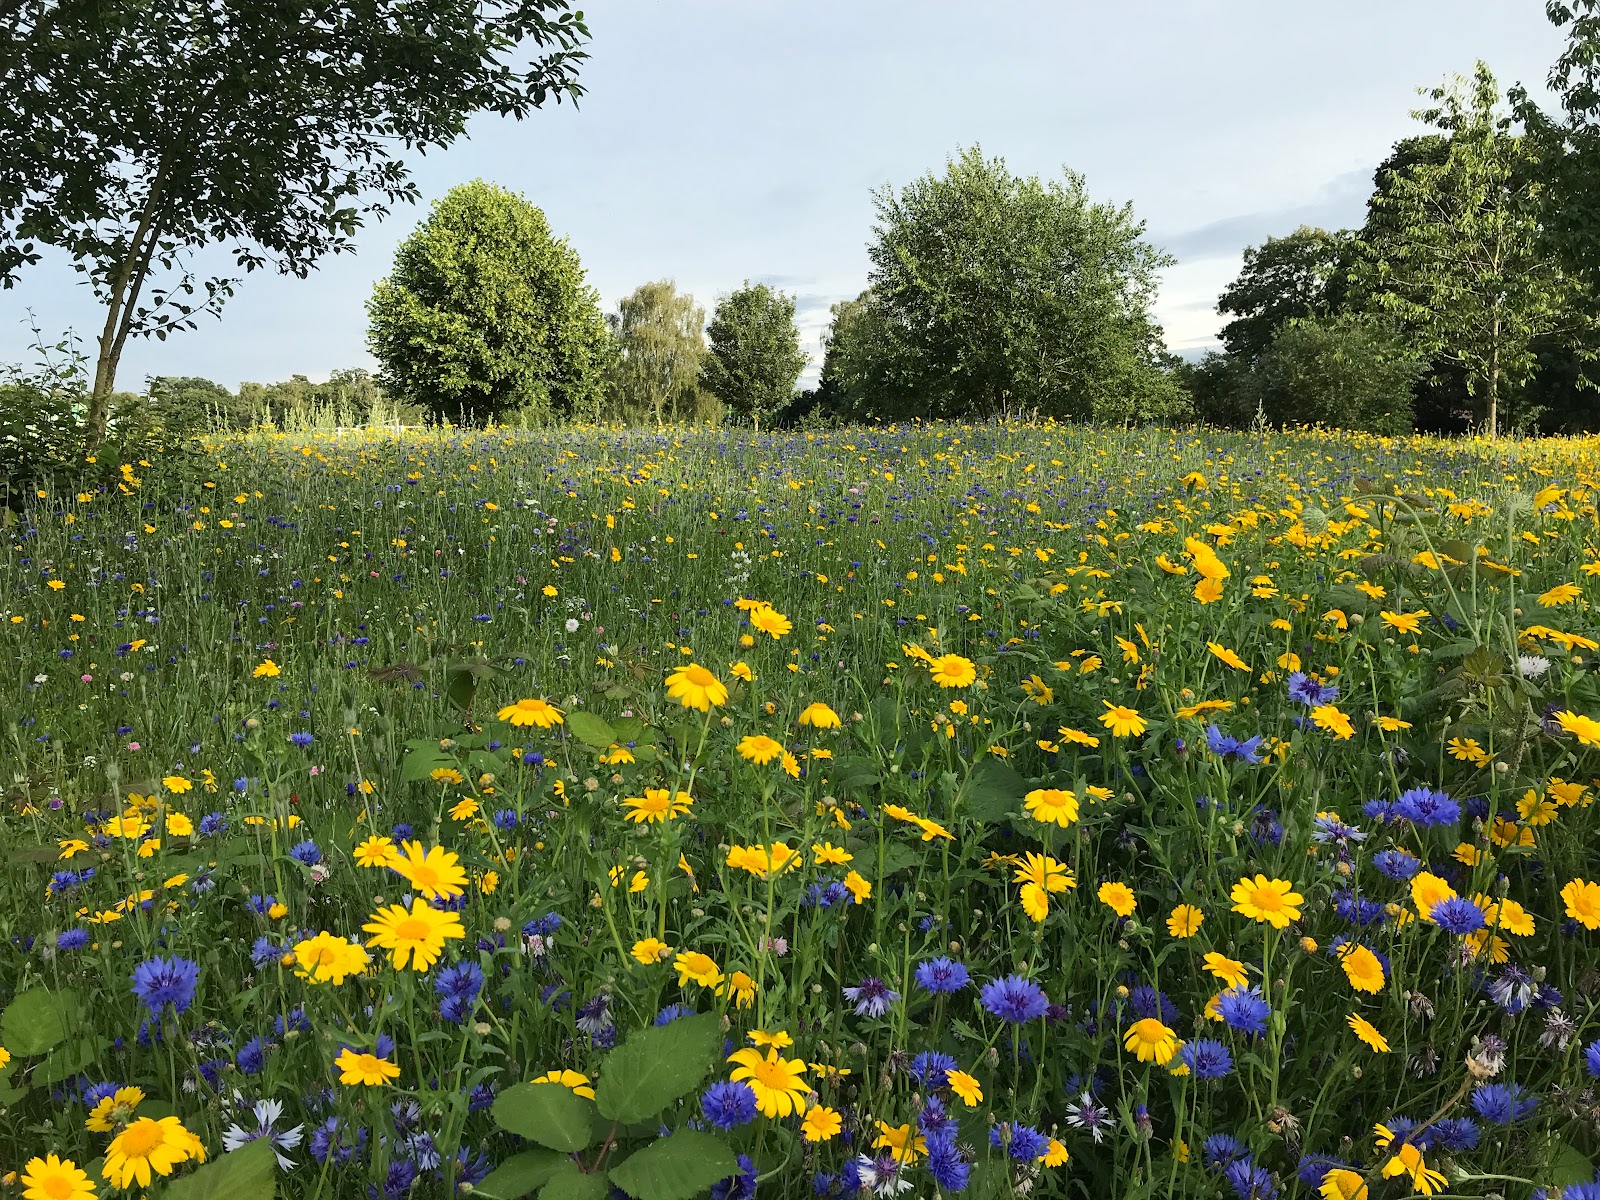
(1341, 202)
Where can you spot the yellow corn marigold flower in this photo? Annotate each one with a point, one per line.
(829, 854)
(1121, 720)
(1271, 901)
(821, 1124)
(1562, 593)
(1408, 1161)
(1222, 654)
(692, 686)
(266, 669)
(1184, 921)
(1368, 1033)
(1052, 806)
(695, 967)
(1330, 719)
(770, 621)
(964, 1086)
(859, 887)
(1362, 967)
(434, 873)
(575, 1081)
(1230, 970)
(1118, 897)
(904, 1143)
(759, 749)
(416, 935)
(328, 959)
(1408, 623)
(656, 805)
(52, 1178)
(952, 671)
(1342, 1183)
(775, 1080)
(1583, 902)
(1585, 729)
(1151, 1041)
(651, 950)
(1428, 890)
(819, 716)
(377, 852)
(367, 1070)
(540, 713)
(149, 1147)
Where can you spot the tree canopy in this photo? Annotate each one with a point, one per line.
(660, 346)
(755, 357)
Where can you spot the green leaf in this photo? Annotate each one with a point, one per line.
(247, 1173)
(994, 791)
(1568, 1166)
(520, 1174)
(656, 1066)
(37, 1020)
(590, 729)
(68, 1060)
(675, 1168)
(548, 1113)
(570, 1183)
(422, 759)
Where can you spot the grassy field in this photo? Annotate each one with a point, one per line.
(943, 809)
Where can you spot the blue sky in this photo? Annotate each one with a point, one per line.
(729, 139)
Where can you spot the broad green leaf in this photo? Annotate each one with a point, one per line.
(590, 729)
(37, 1020)
(570, 1183)
(422, 761)
(993, 792)
(1569, 1165)
(679, 1167)
(656, 1066)
(248, 1173)
(520, 1174)
(548, 1113)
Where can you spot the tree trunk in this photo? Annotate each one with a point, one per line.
(1494, 378)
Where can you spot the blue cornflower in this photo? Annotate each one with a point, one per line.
(252, 1056)
(1250, 1182)
(260, 904)
(737, 1187)
(949, 1170)
(1502, 1103)
(301, 739)
(1358, 910)
(1026, 1144)
(472, 1167)
(1397, 864)
(1425, 807)
(72, 939)
(1145, 1001)
(1314, 1168)
(264, 951)
(673, 1012)
(457, 987)
(1454, 1134)
(728, 1105)
(160, 982)
(928, 1068)
(872, 997)
(1457, 915)
(942, 975)
(307, 853)
(1331, 829)
(1309, 692)
(1225, 745)
(1014, 999)
(1513, 990)
(212, 824)
(1244, 1009)
(1591, 1058)
(506, 820)
(1206, 1058)
(1220, 1150)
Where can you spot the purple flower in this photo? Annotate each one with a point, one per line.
(1014, 999)
(163, 981)
(1592, 1058)
(1025, 1144)
(1397, 864)
(301, 739)
(872, 997)
(1309, 692)
(1502, 1103)
(1424, 807)
(307, 853)
(942, 975)
(929, 1067)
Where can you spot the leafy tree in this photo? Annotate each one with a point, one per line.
(1354, 370)
(755, 357)
(1456, 255)
(189, 402)
(1003, 295)
(486, 311)
(1570, 140)
(860, 361)
(1299, 275)
(1215, 389)
(138, 131)
(660, 346)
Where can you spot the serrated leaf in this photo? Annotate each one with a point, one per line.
(993, 792)
(38, 1020)
(548, 1113)
(520, 1174)
(679, 1167)
(570, 1183)
(656, 1066)
(1568, 1166)
(248, 1173)
(590, 729)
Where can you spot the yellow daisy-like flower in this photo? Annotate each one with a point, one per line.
(695, 967)
(651, 950)
(1230, 970)
(964, 1086)
(377, 852)
(1428, 890)
(1408, 1161)
(1585, 729)
(821, 1124)
(741, 670)
(416, 935)
(1151, 1041)
(1052, 806)
(904, 1142)
(1271, 901)
(1583, 902)
(1077, 737)
(656, 805)
(692, 686)
(177, 784)
(1342, 1183)
(1121, 720)
(1185, 921)
(368, 1070)
(1118, 897)
(266, 669)
(576, 1081)
(536, 712)
(826, 853)
(1330, 719)
(775, 1080)
(770, 621)
(759, 749)
(115, 1110)
(464, 810)
(328, 959)
(1562, 593)
(1222, 654)
(147, 1148)
(1368, 1033)
(434, 873)
(1362, 968)
(52, 1178)
(952, 671)
(819, 716)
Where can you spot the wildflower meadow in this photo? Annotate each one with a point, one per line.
(988, 810)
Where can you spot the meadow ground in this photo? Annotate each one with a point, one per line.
(998, 810)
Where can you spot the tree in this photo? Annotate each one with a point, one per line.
(1456, 257)
(1354, 371)
(1570, 141)
(859, 362)
(1216, 391)
(138, 131)
(755, 357)
(1284, 278)
(660, 346)
(190, 402)
(1004, 295)
(486, 311)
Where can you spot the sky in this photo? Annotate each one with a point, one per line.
(725, 140)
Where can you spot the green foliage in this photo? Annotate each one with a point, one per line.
(1353, 371)
(1570, 140)
(486, 313)
(678, 1167)
(1284, 278)
(1456, 254)
(660, 346)
(138, 131)
(993, 294)
(188, 404)
(654, 1067)
(547, 1113)
(520, 1174)
(754, 358)
(38, 1020)
(248, 1173)
(1216, 391)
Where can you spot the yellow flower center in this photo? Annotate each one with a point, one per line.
(412, 929)
(142, 1137)
(57, 1187)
